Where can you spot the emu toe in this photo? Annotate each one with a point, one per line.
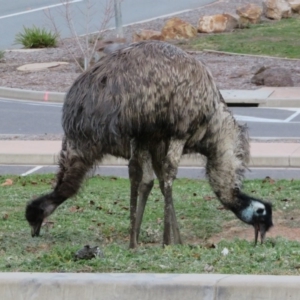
(259, 228)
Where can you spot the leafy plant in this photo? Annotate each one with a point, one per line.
(36, 38)
(2, 54)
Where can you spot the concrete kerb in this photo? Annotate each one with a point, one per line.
(31, 95)
(147, 286)
(254, 97)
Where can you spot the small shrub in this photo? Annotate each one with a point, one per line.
(36, 38)
(2, 54)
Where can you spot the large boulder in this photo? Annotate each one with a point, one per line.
(277, 9)
(272, 76)
(249, 13)
(147, 34)
(176, 28)
(217, 23)
(295, 5)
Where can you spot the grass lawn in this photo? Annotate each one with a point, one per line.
(281, 38)
(99, 215)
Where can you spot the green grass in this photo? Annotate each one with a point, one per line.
(99, 215)
(36, 37)
(281, 38)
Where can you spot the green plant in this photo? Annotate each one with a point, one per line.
(2, 53)
(36, 38)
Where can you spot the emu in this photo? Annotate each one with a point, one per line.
(151, 102)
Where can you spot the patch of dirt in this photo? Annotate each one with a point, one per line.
(230, 72)
(286, 225)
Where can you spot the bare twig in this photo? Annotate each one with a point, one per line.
(82, 41)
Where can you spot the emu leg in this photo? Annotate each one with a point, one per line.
(158, 169)
(175, 226)
(135, 176)
(170, 167)
(145, 188)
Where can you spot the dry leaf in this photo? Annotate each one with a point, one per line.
(285, 200)
(5, 217)
(7, 182)
(210, 246)
(75, 209)
(208, 198)
(268, 179)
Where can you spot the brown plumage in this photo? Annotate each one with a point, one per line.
(150, 102)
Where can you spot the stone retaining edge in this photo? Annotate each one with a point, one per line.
(122, 286)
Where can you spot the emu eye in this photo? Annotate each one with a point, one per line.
(260, 211)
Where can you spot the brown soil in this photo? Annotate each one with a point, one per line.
(287, 225)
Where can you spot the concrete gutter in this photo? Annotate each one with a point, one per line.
(20, 286)
(264, 97)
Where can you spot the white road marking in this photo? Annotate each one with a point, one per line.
(31, 170)
(154, 18)
(257, 120)
(38, 9)
(294, 115)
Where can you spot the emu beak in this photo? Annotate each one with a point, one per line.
(259, 227)
(35, 229)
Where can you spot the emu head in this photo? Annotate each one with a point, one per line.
(255, 212)
(35, 216)
(36, 211)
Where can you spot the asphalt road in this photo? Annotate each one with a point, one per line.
(31, 117)
(18, 13)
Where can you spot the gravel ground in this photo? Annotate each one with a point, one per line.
(230, 72)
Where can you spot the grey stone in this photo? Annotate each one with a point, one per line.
(279, 77)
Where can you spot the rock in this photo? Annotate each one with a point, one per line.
(217, 23)
(104, 47)
(295, 5)
(272, 76)
(101, 44)
(113, 47)
(249, 13)
(277, 9)
(41, 66)
(88, 253)
(147, 34)
(176, 28)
